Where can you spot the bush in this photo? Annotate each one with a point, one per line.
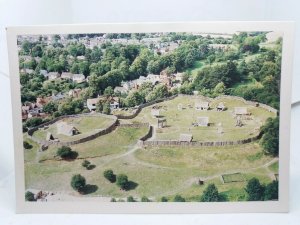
(113, 200)
(64, 152)
(109, 175)
(29, 196)
(270, 138)
(86, 164)
(145, 199)
(122, 181)
(130, 199)
(26, 145)
(78, 182)
(210, 194)
(178, 198)
(163, 199)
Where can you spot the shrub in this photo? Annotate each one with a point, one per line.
(26, 145)
(163, 199)
(178, 198)
(122, 181)
(271, 191)
(113, 200)
(130, 199)
(29, 196)
(210, 194)
(86, 164)
(145, 199)
(64, 152)
(109, 175)
(78, 182)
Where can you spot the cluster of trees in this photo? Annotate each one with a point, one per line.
(121, 179)
(259, 192)
(270, 137)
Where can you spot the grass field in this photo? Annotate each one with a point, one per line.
(85, 125)
(159, 171)
(181, 121)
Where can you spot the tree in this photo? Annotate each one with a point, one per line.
(26, 145)
(86, 164)
(29, 196)
(270, 137)
(210, 194)
(113, 200)
(254, 190)
(219, 89)
(122, 181)
(178, 198)
(145, 199)
(271, 191)
(64, 152)
(160, 91)
(130, 199)
(50, 107)
(33, 122)
(106, 108)
(78, 182)
(109, 175)
(134, 98)
(109, 91)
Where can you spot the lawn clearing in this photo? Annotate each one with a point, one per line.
(85, 125)
(180, 121)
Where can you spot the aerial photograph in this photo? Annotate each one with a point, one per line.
(151, 117)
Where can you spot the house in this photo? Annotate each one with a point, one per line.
(220, 106)
(153, 78)
(113, 102)
(53, 75)
(203, 121)
(91, 103)
(57, 97)
(74, 93)
(41, 101)
(178, 77)
(66, 129)
(202, 105)
(66, 76)
(238, 111)
(44, 73)
(121, 90)
(78, 78)
(186, 137)
(27, 71)
(165, 78)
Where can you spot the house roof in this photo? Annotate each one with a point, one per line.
(203, 120)
(202, 104)
(240, 110)
(221, 105)
(186, 137)
(67, 75)
(155, 112)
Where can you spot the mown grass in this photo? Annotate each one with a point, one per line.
(181, 121)
(85, 125)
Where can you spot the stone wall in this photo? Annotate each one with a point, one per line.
(134, 125)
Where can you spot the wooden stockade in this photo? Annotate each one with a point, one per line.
(134, 125)
(197, 143)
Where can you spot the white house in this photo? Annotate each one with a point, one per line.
(91, 103)
(53, 75)
(241, 111)
(78, 78)
(66, 75)
(203, 121)
(202, 105)
(66, 129)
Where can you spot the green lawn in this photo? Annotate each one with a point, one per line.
(113, 143)
(181, 121)
(196, 67)
(235, 177)
(85, 125)
(274, 167)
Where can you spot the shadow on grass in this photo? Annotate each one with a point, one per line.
(131, 185)
(89, 188)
